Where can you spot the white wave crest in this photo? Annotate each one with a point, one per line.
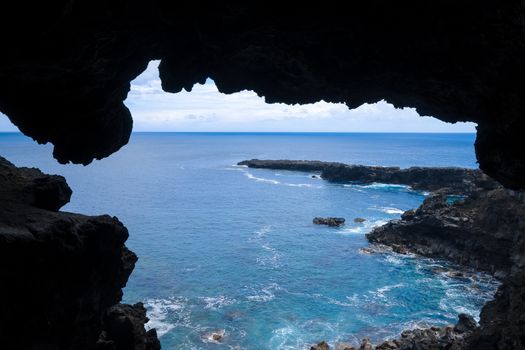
(160, 309)
(215, 303)
(265, 294)
(380, 292)
(263, 231)
(388, 210)
(260, 179)
(366, 227)
(298, 185)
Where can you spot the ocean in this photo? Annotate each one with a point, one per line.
(233, 250)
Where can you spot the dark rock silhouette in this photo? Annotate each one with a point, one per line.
(334, 222)
(481, 231)
(486, 230)
(67, 69)
(61, 273)
(65, 72)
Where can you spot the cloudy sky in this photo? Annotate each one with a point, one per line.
(205, 109)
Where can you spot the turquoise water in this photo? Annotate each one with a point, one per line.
(230, 249)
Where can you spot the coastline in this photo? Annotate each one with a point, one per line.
(482, 229)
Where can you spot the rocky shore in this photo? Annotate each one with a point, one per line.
(481, 231)
(61, 273)
(486, 230)
(447, 337)
(467, 218)
(454, 180)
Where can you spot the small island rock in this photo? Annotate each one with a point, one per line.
(321, 346)
(330, 221)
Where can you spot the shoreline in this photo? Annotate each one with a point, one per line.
(483, 230)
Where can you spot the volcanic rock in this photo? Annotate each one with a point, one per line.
(486, 230)
(333, 222)
(62, 273)
(321, 346)
(450, 180)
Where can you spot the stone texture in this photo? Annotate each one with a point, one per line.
(482, 231)
(321, 346)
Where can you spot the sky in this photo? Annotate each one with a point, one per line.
(204, 109)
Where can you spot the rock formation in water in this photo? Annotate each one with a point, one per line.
(61, 273)
(433, 338)
(333, 222)
(453, 180)
(486, 230)
(67, 67)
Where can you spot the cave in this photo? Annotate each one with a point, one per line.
(66, 70)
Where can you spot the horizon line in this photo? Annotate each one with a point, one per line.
(281, 132)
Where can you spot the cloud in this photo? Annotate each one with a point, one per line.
(206, 109)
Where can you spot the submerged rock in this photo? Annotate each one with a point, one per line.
(366, 344)
(321, 346)
(215, 336)
(359, 220)
(330, 221)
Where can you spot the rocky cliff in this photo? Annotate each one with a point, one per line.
(486, 230)
(483, 230)
(453, 180)
(61, 273)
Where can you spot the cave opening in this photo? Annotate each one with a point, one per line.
(213, 263)
(65, 71)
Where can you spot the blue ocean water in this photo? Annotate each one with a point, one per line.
(233, 250)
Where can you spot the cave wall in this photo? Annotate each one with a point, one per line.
(65, 66)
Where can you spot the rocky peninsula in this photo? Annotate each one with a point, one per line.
(454, 180)
(468, 219)
(62, 273)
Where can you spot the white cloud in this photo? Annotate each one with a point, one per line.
(205, 109)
